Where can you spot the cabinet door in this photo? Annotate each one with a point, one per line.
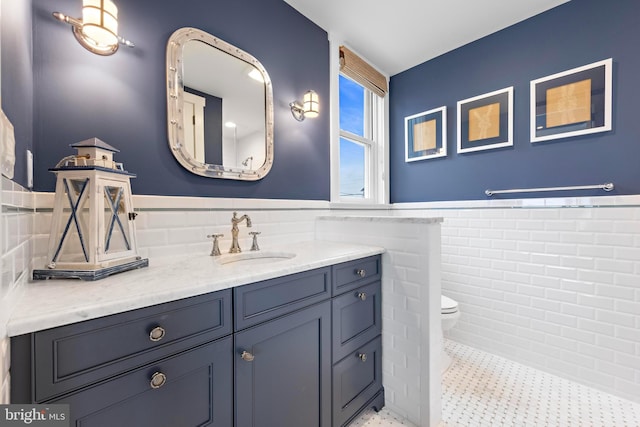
(357, 319)
(196, 390)
(285, 380)
(357, 382)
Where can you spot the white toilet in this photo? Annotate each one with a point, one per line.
(449, 315)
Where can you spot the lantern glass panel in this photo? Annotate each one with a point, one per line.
(74, 241)
(117, 237)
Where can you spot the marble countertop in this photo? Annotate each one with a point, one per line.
(50, 303)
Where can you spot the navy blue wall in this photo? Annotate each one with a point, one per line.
(574, 34)
(121, 99)
(17, 79)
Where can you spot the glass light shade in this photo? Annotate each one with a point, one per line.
(311, 104)
(100, 22)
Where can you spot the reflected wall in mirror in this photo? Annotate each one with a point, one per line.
(220, 107)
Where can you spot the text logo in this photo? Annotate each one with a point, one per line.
(34, 415)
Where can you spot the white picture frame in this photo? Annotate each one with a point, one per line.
(425, 135)
(572, 103)
(485, 122)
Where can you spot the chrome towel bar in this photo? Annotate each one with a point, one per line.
(606, 187)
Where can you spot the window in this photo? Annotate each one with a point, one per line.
(354, 147)
(361, 144)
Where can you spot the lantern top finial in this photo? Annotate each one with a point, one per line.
(92, 153)
(95, 142)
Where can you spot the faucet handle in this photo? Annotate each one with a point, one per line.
(215, 251)
(254, 245)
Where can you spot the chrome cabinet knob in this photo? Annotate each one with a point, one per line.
(362, 356)
(247, 357)
(361, 295)
(157, 334)
(158, 379)
(361, 272)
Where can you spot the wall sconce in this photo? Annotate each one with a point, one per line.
(98, 29)
(310, 106)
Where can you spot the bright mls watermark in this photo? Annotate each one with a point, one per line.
(34, 415)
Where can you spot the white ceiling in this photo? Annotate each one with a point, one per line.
(397, 35)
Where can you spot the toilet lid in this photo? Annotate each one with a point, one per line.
(448, 305)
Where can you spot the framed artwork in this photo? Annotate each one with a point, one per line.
(485, 122)
(571, 103)
(425, 135)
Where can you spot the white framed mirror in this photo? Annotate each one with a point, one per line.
(219, 107)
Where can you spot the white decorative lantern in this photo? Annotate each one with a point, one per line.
(93, 230)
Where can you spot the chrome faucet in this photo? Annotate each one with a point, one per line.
(235, 248)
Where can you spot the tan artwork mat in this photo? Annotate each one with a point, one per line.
(424, 136)
(484, 122)
(569, 104)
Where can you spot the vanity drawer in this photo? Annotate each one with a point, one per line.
(262, 301)
(357, 319)
(72, 356)
(357, 379)
(192, 388)
(350, 275)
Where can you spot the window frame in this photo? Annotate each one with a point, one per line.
(375, 141)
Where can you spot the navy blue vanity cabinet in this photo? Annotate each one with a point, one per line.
(301, 350)
(356, 339)
(282, 351)
(170, 362)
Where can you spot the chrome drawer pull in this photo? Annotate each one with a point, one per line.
(361, 272)
(157, 380)
(157, 334)
(361, 295)
(362, 356)
(247, 357)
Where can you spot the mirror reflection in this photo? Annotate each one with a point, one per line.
(220, 107)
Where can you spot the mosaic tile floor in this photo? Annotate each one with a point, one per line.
(384, 418)
(483, 390)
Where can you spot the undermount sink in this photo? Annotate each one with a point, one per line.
(253, 258)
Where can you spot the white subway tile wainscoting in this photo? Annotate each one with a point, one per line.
(550, 283)
(16, 232)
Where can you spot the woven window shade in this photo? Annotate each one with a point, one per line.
(354, 67)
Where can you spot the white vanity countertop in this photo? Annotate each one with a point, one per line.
(50, 303)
